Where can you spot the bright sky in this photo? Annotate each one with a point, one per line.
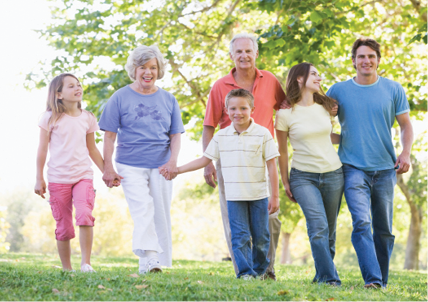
(20, 109)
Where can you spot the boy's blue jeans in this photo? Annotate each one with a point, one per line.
(370, 197)
(249, 222)
(319, 195)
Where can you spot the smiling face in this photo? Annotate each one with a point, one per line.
(147, 74)
(366, 61)
(71, 90)
(239, 111)
(243, 54)
(313, 83)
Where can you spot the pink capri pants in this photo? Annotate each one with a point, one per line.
(62, 198)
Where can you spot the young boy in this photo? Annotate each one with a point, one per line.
(245, 149)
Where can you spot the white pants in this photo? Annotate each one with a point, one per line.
(149, 200)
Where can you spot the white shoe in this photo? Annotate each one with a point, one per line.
(247, 277)
(152, 266)
(86, 268)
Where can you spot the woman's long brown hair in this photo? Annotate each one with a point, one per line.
(55, 105)
(294, 92)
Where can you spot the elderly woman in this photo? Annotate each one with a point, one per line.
(147, 122)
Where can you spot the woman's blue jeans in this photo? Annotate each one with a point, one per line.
(370, 199)
(249, 222)
(319, 195)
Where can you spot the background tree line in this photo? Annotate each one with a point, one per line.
(93, 39)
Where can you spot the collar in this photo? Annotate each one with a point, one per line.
(229, 79)
(377, 81)
(249, 129)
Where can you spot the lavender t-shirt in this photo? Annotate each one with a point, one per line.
(143, 124)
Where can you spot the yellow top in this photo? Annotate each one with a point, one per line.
(309, 131)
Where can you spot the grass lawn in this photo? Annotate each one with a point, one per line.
(39, 277)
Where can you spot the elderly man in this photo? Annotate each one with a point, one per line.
(268, 95)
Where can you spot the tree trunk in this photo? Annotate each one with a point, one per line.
(413, 240)
(285, 256)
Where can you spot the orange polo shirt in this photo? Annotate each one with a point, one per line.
(268, 95)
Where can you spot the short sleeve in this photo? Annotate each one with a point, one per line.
(212, 152)
(44, 121)
(110, 118)
(270, 150)
(279, 94)
(93, 125)
(281, 122)
(400, 101)
(215, 106)
(176, 121)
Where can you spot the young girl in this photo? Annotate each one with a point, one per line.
(68, 131)
(316, 177)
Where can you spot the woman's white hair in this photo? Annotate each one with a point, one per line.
(140, 56)
(244, 36)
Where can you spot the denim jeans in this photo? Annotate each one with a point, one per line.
(370, 197)
(319, 195)
(249, 222)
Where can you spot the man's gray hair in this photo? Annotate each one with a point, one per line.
(140, 56)
(244, 36)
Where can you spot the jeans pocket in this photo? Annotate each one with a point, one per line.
(56, 209)
(90, 196)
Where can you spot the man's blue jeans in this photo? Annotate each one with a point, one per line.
(249, 222)
(319, 195)
(370, 197)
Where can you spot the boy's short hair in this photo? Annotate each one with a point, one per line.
(242, 93)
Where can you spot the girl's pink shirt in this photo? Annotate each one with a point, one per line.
(69, 156)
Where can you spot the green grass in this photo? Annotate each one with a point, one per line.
(36, 277)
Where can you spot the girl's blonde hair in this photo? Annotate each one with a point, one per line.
(55, 105)
(294, 92)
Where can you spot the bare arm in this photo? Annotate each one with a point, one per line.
(335, 138)
(194, 165)
(42, 152)
(171, 165)
(283, 161)
(94, 153)
(273, 178)
(110, 174)
(210, 172)
(406, 131)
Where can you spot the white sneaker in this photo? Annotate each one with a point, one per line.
(86, 268)
(247, 277)
(153, 266)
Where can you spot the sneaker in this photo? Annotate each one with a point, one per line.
(153, 266)
(86, 268)
(247, 277)
(373, 285)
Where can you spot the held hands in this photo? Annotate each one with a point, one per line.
(40, 187)
(169, 170)
(273, 204)
(111, 178)
(403, 163)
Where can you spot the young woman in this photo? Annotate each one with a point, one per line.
(316, 177)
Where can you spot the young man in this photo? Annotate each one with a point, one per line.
(268, 96)
(368, 107)
(245, 149)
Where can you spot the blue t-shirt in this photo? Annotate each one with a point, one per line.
(366, 115)
(143, 124)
